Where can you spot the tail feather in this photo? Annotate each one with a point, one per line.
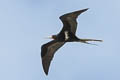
(90, 43)
(86, 41)
(91, 40)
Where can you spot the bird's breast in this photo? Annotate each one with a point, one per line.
(66, 35)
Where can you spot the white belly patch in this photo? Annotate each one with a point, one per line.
(66, 35)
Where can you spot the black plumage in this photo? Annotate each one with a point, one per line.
(67, 34)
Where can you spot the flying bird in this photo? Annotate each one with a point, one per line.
(67, 34)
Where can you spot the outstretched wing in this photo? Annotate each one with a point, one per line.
(47, 52)
(69, 20)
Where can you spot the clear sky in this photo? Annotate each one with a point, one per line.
(25, 23)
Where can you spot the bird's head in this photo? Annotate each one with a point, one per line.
(52, 37)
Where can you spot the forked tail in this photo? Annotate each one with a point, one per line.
(87, 41)
(90, 40)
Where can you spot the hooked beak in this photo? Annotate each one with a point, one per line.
(49, 37)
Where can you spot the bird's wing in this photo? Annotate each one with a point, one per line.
(47, 52)
(69, 20)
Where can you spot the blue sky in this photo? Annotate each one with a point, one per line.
(25, 23)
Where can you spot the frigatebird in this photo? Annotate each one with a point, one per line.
(67, 34)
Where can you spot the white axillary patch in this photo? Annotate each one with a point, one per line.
(66, 35)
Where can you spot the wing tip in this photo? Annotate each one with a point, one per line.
(46, 70)
(46, 73)
(45, 66)
(85, 9)
(76, 13)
